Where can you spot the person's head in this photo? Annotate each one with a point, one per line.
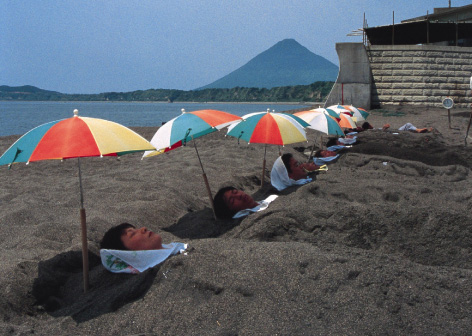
(324, 153)
(367, 126)
(332, 142)
(229, 200)
(126, 237)
(295, 172)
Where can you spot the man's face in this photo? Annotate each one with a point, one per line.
(327, 153)
(141, 239)
(297, 171)
(237, 200)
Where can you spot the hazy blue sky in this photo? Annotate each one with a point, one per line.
(79, 46)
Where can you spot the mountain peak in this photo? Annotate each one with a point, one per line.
(286, 63)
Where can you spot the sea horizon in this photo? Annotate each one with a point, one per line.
(19, 117)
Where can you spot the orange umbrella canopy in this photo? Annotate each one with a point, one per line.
(75, 137)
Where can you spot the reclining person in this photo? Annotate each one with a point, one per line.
(230, 202)
(324, 156)
(410, 127)
(126, 249)
(287, 171)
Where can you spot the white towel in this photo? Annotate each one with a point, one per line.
(262, 206)
(348, 141)
(279, 176)
(319, 161)
(334, 148)
(120, 261)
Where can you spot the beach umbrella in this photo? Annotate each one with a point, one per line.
(339, 109)
(75, 137)
(328, 112)
(269, 128)
(321, 121)
(346, 121)
(189, 126)
(359, 113)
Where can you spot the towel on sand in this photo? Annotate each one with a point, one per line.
(262, 206)
(324, 160)
(334, 148)
(119, 261)
(279, 176)
(348, 141)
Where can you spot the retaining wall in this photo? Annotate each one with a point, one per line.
(420, 75)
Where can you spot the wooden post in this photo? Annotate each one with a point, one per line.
(263, 167)
(83, 229)
(85, 261)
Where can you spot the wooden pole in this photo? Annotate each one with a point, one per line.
(393, 28)
(205, 179)
(468, 127)
(83, 229)
(449, 116)
(85, 261)
(263, 166)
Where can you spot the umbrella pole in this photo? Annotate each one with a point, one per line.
(205, 179)
(83, 226)
(263, 166)
(312, 151)
(468, 127)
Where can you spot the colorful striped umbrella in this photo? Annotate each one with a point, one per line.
(346, 121)
(321, 121)
(270, 129)
(338, 109)
(359, 113)
(189, 126)
(75, 137)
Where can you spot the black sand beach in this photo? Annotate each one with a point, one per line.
(380, 244)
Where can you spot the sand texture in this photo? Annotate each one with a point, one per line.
(380, 244)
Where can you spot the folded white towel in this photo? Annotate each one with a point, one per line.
(334, 148)
(262, 206)
(319, 161)
(120, 261)
(279, 176)
(348, 141)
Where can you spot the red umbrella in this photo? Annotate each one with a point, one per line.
(75, 137)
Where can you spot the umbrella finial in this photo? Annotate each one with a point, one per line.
(183, 110)
(76, 113)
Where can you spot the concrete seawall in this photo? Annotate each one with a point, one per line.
(403, 75)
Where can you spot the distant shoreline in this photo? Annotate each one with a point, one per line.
(163, 102)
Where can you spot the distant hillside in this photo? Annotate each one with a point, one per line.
(314, 92)
(287, 63)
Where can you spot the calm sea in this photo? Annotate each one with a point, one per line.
(20, 117)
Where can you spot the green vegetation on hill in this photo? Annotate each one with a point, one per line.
(285, 63)
(315, 92)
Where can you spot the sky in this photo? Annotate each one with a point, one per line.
(95, 46)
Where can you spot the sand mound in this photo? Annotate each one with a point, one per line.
(380, 243)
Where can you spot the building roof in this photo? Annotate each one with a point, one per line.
(419, 32)
(454, 14)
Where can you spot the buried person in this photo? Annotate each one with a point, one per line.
(287, 171)
(230, 202)
(127, 249)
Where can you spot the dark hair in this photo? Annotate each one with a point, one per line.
(221, 209)
(366, 125)
(331, 142)
(286, 160)
(317, 153)
(112, 238)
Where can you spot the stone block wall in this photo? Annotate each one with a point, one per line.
(420, 75)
